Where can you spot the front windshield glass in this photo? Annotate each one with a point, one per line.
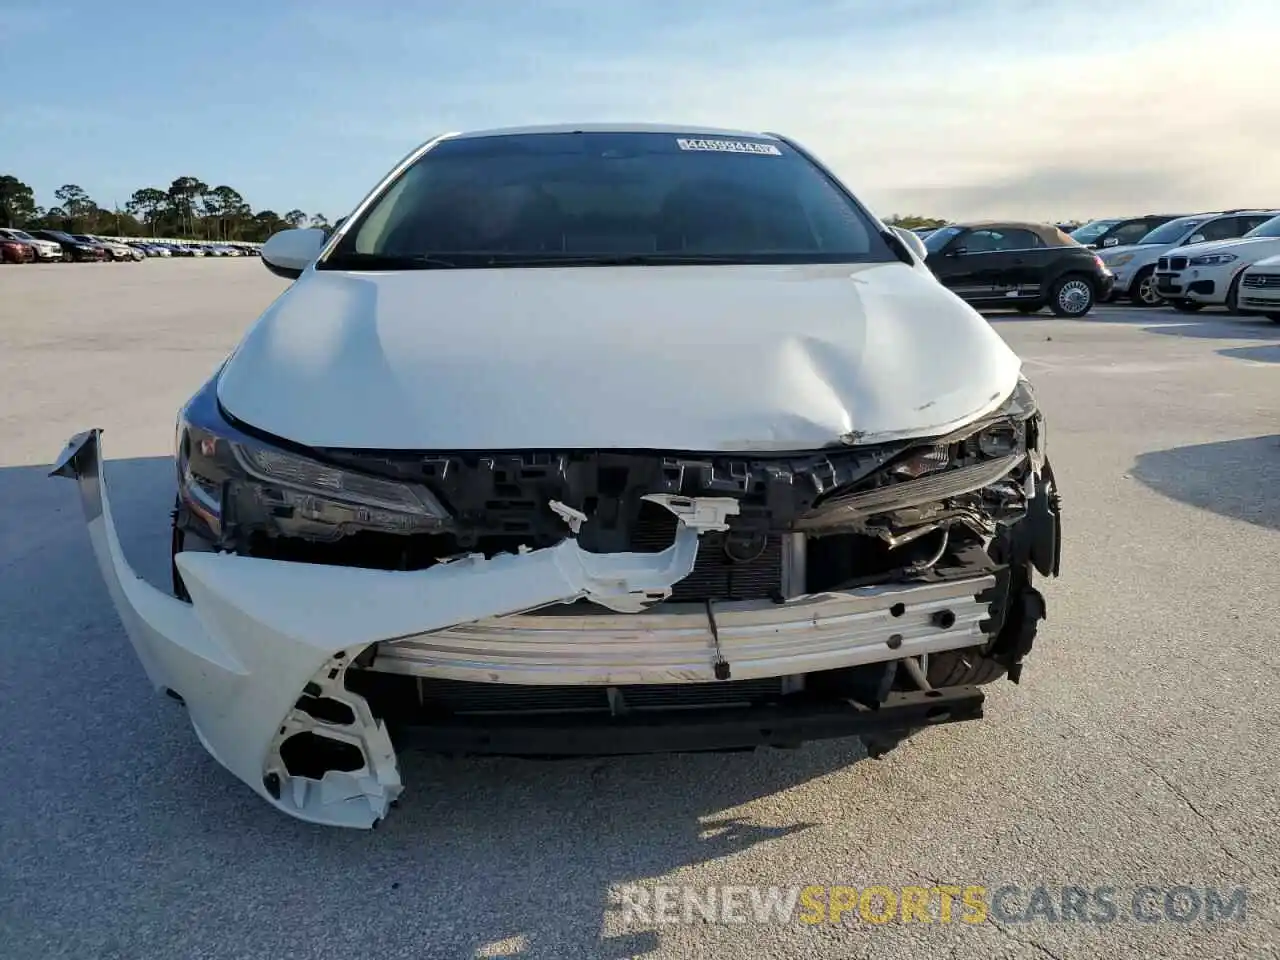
(940, 238)
(1269, 228)
(1171, 232)
(579, 198)
(1092, 231)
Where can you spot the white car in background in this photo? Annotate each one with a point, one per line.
(1260, 288)
(1209, 274)
(1134, 265)
(590, 439)
(46, 250)
(117, 249)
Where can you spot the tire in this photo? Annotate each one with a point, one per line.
(962, 668)
(1072, 296)
(1186, 306)
(180, 540)
(1142, 292)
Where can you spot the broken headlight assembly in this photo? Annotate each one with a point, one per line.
(965, 461)
(226, 478)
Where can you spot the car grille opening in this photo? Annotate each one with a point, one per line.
(729, 566)
(466, 698)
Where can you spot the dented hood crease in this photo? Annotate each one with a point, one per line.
(678, 358)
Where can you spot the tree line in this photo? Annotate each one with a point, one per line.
(188, 209)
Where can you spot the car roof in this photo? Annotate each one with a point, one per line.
(691, 129)
(1012, 224)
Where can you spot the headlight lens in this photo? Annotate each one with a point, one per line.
(1001, 434)
(1211, 259)
(225, 481)
(1118, 261)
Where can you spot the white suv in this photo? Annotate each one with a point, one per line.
(1210, 274)
(1260, 288)
(1135, 265)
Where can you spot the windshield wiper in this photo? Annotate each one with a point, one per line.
(616, 260)
(381, 261)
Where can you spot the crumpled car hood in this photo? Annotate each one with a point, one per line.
(732, 358)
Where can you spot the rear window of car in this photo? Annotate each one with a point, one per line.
(519, 198)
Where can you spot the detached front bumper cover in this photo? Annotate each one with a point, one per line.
(260, 632)
(259, 655)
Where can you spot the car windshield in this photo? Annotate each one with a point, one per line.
(1269, 228)
(1171, 232)
(940, 238)
(1093, 230)
(18, 234)
(607, 199)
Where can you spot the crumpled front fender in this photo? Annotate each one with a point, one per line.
(257, 633)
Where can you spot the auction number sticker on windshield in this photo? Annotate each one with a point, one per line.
(729, 146)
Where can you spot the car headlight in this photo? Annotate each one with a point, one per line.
(1211, 259)
(1119, 260)
(227, 481)
(1011, 429)
(985, 453)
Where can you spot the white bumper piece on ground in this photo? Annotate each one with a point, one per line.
(262, 639)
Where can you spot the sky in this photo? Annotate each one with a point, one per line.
(1044, 109)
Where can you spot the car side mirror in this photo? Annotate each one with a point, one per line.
(913, 242)
(1195, 238)
(1111, 242)
(289, 252)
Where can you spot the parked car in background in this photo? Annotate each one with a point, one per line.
(1260, 288)
(1024, 266)
(1135, 266)
(13, 250)
(73, 249)
(1119, 231)
(45, 250)
(1210, 274)
(115, 251)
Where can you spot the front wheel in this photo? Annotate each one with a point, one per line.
(182, 540)
(1072, 296)
(1187, 306)
(1143, 292)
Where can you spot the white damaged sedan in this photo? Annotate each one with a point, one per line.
(590, 440)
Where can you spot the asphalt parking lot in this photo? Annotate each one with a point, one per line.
(1139, 749)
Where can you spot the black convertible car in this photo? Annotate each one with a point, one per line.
(1021, 266)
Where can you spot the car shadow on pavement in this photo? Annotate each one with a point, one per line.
(1227, 328)
(1233, 478)
(1266, 354)
(478, 852)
